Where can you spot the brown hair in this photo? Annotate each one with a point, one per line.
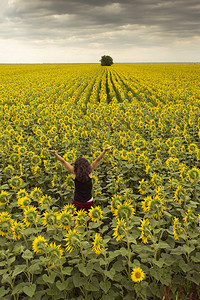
(82, 169)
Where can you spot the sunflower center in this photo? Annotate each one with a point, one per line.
(31, 217)
(137, 274)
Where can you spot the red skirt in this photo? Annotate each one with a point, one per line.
(83, 205)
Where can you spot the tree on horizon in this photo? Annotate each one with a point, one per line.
(106, 60)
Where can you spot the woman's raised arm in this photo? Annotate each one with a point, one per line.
(64, 162)
(97, 160)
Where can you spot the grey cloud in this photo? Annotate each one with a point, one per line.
(81, 20)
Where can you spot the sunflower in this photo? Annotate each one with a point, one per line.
(30, 154)
(116, 200)
(172, 162)
(120, 230)
(21, 169)
(73, 240)
(54, 130)
(5, 223)
(172, 151)
(128, 193)
(36, 193)
(94, 179)
(147, 169)
(15, 149)
(24, 201)
(95, 213)
(58, 165)
(16, 182)
(22, 193)
(22, 150)
(120, 183)
(156, 143)
(4, 197)
(177, 229)
(81, 218)
(35, 160)
(193, 174)
(37, 146)
(142, 159)
(160, 191)
(145, 203)
(156, 207)
(31, 216)
(116, 153)
(70, 156)
(142, 143)
(17, 230)
(173, 183)
(70, 208)
(19, 138)
(135, 144)
(168, 142)
(180, 194)
(177, 142)
(183, 149)
(45, 201)
(183, 171)
(137, 275)
(146, 230)
(9, 170)
(55, 180)
(49, 143)
(143, 186)
(35, 169)
(65, 220)
(14, 158)
(193, 148)
(31, 140)
(69, 182)
(26, 123)
(156, 180)
(44, 152)
(157, 163)
(123, 155)
(130, 156)
(43, 138)
(39, 244)
(46, 165)
(98, 245)
(189, 217)
(54, 253)
(50, 219)
(124, 211)
(137, 151)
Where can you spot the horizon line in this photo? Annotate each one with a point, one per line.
(86, 63)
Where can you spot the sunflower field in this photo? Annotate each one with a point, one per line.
(143, 238)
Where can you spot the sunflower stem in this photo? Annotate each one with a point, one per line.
(106, 265)
(11, 282)
(62, 277)
(25, 240)
(82, 255)
(129, 256)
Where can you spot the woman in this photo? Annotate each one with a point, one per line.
(82, 175)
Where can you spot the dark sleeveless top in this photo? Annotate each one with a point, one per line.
(83, 190)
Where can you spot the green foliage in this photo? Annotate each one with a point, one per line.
(106, 60)
(105, 108)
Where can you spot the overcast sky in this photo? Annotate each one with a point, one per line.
(37, 31)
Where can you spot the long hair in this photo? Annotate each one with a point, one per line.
(82, 169)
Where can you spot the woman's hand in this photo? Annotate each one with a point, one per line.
(52, 151)
(108, 148)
